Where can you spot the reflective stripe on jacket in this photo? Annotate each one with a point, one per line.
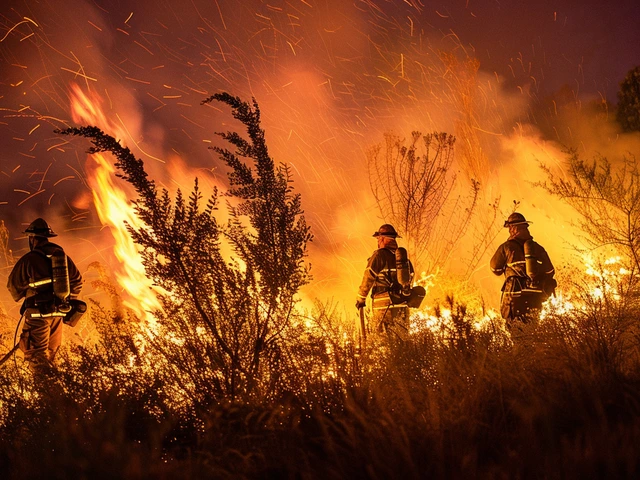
(32, 273)
(380, 273)
(509, 259)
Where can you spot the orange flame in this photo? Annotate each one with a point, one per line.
(601, 277)
(113, 207)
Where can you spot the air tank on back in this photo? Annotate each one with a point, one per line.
(531, 262)
(403, 272)
(61, 286)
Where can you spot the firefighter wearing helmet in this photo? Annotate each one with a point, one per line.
(528, 273)
(47, 279)
(381, 278)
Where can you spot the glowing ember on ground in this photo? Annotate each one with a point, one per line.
(601, 279)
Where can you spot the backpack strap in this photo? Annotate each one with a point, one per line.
(46, 280)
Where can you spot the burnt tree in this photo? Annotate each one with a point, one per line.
(414, 187)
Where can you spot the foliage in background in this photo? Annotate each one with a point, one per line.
(415, 190)
(606, 200)
(628, 108)
(460, 73)
(6, 255)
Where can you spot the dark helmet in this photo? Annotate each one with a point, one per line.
(516, 219)
(387, 230)
(40, 228)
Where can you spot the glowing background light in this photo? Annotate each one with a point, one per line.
(331, 78)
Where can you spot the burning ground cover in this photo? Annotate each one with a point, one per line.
(471, 405)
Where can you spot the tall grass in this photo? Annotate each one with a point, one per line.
(562, 403)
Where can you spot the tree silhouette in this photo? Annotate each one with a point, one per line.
(606, 198)
(628, 111)
(413, 188)
(220, 316)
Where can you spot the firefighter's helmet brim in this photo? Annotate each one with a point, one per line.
(508, 224)
(516, 219)
(386, 230)
(40, 228)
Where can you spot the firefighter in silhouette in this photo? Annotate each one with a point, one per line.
(388, 277)
(47, 279)
(528, 273)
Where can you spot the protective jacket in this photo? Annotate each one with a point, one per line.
(522, 292)
(380, 275)
(31, 277)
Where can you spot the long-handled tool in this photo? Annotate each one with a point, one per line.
(15, 347)
(363, 326)
(8, 355)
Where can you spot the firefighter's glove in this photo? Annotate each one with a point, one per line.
(360, 303)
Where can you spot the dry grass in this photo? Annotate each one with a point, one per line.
(562, 403)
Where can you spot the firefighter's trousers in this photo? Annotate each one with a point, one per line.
(41, 337)
(393, 320)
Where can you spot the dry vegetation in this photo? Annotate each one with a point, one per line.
(239, 384)
(561, 403)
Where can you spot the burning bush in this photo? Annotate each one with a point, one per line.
(221, 319)
(605, 196)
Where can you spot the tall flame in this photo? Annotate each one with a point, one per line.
(113, 207)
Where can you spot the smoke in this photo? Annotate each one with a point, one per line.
(330, 78)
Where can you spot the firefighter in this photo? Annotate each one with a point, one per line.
(528, 273)
(46, 279)
(381, 279)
